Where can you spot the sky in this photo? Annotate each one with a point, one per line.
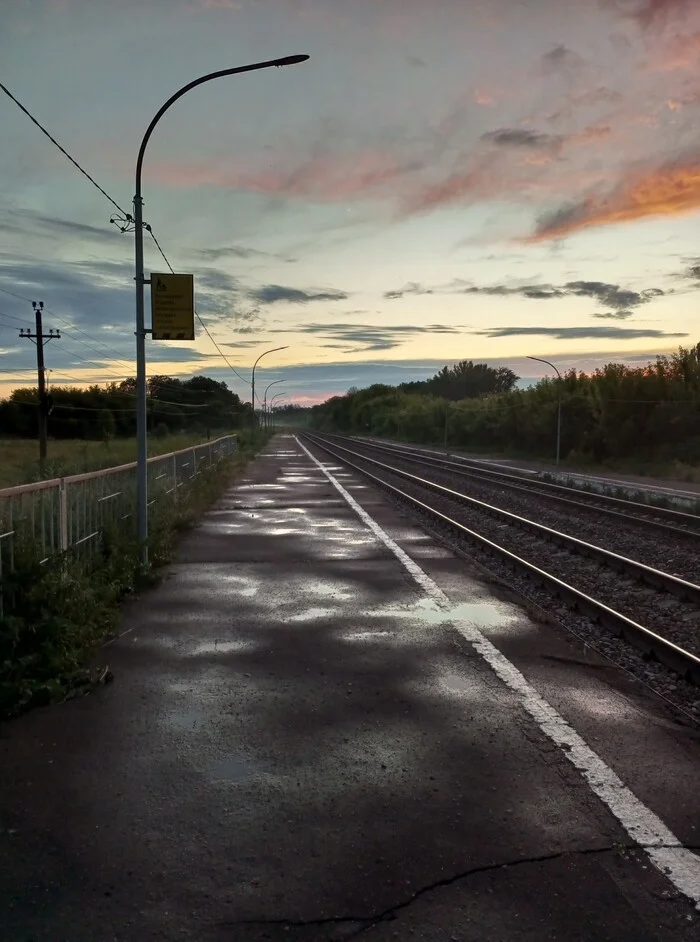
(455, 180)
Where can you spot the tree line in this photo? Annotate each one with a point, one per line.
(104, 412)
(649, 413)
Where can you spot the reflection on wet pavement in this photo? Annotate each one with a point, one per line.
(231, 769)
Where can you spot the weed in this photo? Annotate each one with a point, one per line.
(57, 613)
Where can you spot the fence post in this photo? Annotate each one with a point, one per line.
(63, 515)
(174, 477)
(194, 462)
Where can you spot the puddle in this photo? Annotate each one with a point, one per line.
(328, 590)
(185, 719)
(455, 683)
(223, 647)
(368, 635)
(312, 613)
(481, 614)
(250, 487)
(241, 585)
(231, 769)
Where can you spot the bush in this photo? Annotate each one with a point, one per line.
(57, 613)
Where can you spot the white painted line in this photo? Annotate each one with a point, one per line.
(680, 865)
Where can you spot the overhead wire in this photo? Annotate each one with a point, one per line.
(206, 329)
(62, 149)
(121, 210)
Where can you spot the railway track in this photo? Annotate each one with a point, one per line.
(627, 597)
(667, 520)
(655, 543)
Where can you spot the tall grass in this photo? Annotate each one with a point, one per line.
(19, 457)
(57, 614)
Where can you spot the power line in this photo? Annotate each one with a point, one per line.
(206, 329)
(105, 408)
(62, 149)
(70, 326)
(126, 216)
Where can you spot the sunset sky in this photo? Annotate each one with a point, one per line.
(460, 179)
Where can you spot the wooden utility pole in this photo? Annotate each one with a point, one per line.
(39, 338)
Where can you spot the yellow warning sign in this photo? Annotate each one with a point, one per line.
(172, 306)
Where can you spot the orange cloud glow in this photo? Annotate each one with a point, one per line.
(324, 178)
(483, 98)
(666, 191)
(681, 53)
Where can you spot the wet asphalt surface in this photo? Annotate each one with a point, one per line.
(296, 746)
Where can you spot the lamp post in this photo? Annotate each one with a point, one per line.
(274, 383)
(272, 402)
(141, 430)
(252, 378)
(540, 360)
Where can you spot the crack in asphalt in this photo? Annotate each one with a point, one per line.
(391, 913)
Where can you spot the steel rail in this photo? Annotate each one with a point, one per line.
(546, 488)
(683, 662)
(514, 483)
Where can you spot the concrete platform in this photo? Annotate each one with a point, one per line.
(300, 743)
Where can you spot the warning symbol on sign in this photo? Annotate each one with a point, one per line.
(172, 307)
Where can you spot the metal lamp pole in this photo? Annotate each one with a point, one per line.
(265, 398)
(252, 379)
(141, 430)
(540, 360)
(272, 402)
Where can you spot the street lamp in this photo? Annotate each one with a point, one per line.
(540, 360)
(141, 429)
(274, 383)
(272, 402)
(252, 379)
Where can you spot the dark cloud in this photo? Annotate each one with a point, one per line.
(216, 253)
(534, 292)
(369, 336)
(693, 269)
(29, 222)
(215, 280)
(614, 315)
(613, 296)
(520, 137)
(560, 58)
(576, 333)
(648, 13)
(271, 294)
(562, 219)
(229, 251)
(411, 288)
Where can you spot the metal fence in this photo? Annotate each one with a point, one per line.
(71, 513)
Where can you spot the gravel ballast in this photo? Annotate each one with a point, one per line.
(671, 618)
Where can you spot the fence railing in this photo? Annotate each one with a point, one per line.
(71, 513)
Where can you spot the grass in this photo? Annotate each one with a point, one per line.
(19, 461)
(57, 614)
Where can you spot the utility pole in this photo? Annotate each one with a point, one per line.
(39, 338)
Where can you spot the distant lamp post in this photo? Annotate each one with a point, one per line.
(273, 383)
(272, 403)
(540, 360)
(252, 378)
(139, 278)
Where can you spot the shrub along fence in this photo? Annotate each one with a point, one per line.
(79, 516)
